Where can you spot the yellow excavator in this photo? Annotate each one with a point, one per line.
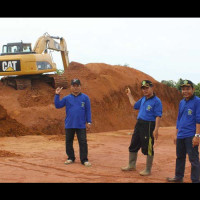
(19, 64)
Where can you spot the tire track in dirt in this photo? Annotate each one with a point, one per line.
(94, 176)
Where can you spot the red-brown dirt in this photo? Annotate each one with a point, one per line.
(27, 159)
(104, 84)
(38, 128)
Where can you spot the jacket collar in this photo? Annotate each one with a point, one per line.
(77, 95)
(151, 97)
(192, 97)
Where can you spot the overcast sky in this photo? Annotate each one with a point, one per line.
(164, 48)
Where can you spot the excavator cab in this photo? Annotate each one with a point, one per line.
(16, 48)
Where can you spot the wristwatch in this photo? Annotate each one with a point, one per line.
(197, 135)
(89, 123)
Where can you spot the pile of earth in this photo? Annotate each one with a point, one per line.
(10, 126)
(32, 111)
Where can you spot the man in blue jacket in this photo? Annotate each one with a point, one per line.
(187, 134)
(146, 128)
(78, 120)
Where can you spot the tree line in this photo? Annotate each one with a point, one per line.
(178, 84)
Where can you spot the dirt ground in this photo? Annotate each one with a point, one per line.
(40, 159)
(32, 136)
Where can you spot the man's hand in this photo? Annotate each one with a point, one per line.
(157, 125)
(58, 90)
(128, 91)
(155, 134)
(175, 138)
(88, 127)
(195, 141)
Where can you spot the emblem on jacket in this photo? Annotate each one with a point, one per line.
(189, 112)
(82, 104)
(148, 108)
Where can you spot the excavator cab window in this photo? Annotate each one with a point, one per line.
(4, 49)
(16, 48)
(26, 48)
(11, 49)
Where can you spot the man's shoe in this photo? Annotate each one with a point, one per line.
(87, 164)
(128, 168)
(68, 161)
(145, 172)
(175, 180)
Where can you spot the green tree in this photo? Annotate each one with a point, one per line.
(197, 90)
(59, 71)
(179, 83)
(170, 83)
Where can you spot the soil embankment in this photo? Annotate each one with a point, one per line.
(32, 111)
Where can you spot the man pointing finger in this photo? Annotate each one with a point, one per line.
(78, 118)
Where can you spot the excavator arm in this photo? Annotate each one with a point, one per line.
(48, 42)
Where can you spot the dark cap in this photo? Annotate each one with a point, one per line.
(146, 83)
(75, 81)
(187, 83)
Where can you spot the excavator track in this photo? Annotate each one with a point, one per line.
(17, 83)
(58, 80)
(23, 82)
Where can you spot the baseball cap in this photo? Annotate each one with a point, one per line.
(75, 81)
(146, 83)
(187, 83)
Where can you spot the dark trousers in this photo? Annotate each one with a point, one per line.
(143, 137)
(82, 140)
(183, 147)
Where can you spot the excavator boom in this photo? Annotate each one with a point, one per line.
(47, 42)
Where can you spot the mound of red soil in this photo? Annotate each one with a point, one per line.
(32, 111)
(10, 127)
